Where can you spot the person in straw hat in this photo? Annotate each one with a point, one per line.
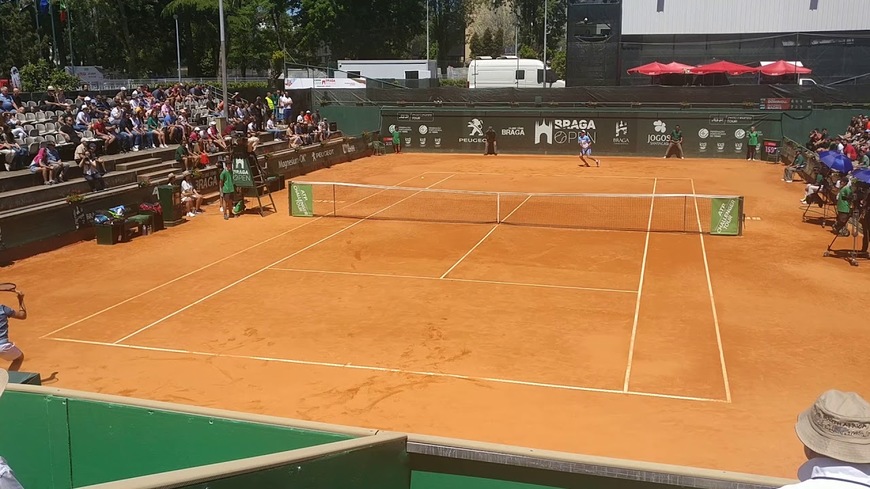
(835, 432)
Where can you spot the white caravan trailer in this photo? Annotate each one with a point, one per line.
(510, 71)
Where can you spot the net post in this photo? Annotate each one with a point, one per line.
(334, 209)
(741, 214)
(498, 207)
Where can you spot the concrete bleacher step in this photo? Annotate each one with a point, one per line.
(136, 164)
(20, 179)
(112, 161)
(45, 193)
(158, 171)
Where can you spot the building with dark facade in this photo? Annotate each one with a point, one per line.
(607, 37)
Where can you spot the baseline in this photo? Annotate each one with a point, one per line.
(372, 368)
(312, 245)
(204, 267)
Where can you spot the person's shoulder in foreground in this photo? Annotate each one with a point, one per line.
(835, 432)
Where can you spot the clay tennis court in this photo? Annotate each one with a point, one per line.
(671, 347)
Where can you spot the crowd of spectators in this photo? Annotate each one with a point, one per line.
(825, 185)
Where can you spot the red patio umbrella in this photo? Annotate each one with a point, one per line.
(783, 67)
(650, 69)
(655, 68)
(679, 67)
(726, 67)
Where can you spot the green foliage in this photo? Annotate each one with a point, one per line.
(528, 52)
(36, 77)
(488, 43)
(232, 86)
(446, 82)
(559, 64)
(19, 42)
(530, 17)
(447, 19)
(276, 65)
(360, 30)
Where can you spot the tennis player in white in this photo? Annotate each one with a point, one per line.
(8, 350)
(585, 143)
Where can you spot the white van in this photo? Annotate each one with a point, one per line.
(510, 71)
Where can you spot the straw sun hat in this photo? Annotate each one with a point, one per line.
(837, 426)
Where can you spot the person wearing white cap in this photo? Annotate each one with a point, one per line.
(835, 432)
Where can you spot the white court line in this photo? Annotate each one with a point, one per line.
(371, 368)
(312, 245)
(629, 177)
(712, 302)
(500, 220)
(176, 279)
(465, 280)
(639, 292)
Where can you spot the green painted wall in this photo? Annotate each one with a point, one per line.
(112, 442)
(353, 120)
(35, 439)
(55, 442)
(379, 467)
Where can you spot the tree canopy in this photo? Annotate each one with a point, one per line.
(137, 38)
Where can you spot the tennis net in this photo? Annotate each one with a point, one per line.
(681, 213)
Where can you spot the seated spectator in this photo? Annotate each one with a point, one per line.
(142, 137)
(184, 158)
(7, 103)
(835, 432)
(12, 153)
(797, 165)
(83, 118)
(54, 100)
(278, 134)
(54, 159)
(66, 127)
(41, 164)
(16, 97)
(812, 189)
(101, 129)
(864, 160)
(14, 126)
(153, 124)
(215, 136)
(191, 198)
(83, 150)
(91, 166)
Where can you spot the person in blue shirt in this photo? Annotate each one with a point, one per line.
(8, 350)
(585, 143)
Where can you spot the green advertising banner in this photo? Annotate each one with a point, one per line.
(725, 217)
(301, 201)
(242, 173)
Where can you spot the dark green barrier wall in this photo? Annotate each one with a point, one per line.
(112, 442)
(55, 442)
(353, 119)
(555, 131)
(378, 467)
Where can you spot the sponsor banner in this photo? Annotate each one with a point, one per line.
(293, 162)
(725, 217)
(301, 200)
(537, 132)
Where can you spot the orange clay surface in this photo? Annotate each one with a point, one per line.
(538, 337)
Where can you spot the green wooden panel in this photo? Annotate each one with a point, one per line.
(111, 442)
(35, 439)
(433, 480)
(382, 466)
